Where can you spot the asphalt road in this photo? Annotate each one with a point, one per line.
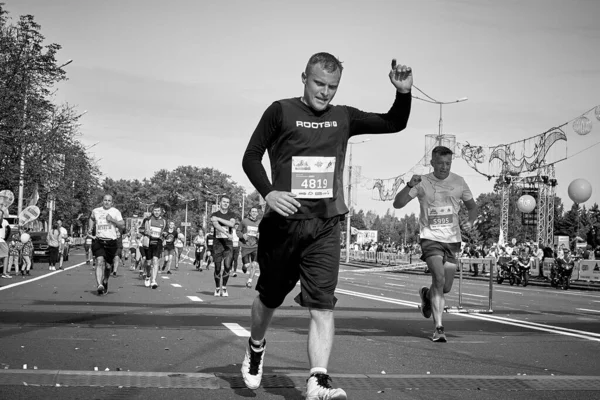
(179, 341)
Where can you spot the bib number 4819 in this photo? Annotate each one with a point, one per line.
(314, 184)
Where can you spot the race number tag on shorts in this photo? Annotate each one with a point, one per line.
(312, 177)
(252, 231)
(440, 217)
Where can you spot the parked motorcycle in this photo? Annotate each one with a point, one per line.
(561, 273)
(503, 269)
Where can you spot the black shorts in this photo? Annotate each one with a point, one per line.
(448, 251)
(154, 250)
(307, 250)
(143, 252)
(249, 256)
(106, 249)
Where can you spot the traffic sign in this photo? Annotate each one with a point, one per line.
(186, 224)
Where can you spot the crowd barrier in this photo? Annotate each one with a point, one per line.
(585, 270)
(378, 257)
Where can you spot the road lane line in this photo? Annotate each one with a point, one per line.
(175, 285)
(587, 309)
(237, 329)
(501, 320)
(474, 295)
(40, 277)
(507, 291)
(194, 298)
(394, 284)
(165, 277)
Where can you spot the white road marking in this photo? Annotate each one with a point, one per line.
(587, 309)
(474, 295)
(507, 321)
(394, 284)
(175, 285)
(165, 277)
(40, 277)
(507, 291)
(194, 298)
(237, 329)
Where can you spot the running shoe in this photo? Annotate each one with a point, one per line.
(244, 269)
(217, 292)
(318, 387)
(147, 282)
(114, 273)
(252, 366)
(224, 292)
(105, 284)
(425, 302)
(249, 284)
(87, 262)
(154, 285)
(168, 272)
(439, 335)
(100, 289)
(234, 274)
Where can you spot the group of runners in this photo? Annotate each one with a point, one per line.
(158, 243)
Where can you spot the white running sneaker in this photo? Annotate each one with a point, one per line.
(252, 366)
(147, 282)
(318, 387)
(217, 292)
(224, 292)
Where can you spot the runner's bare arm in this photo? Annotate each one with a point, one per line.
(403, 197)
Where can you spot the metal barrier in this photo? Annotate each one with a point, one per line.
(378, 257)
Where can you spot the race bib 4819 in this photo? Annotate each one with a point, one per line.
(313, 177)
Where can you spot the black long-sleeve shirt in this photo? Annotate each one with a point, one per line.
(298, 138)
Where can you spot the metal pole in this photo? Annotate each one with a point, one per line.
(205, 216)
(243, 204)
(185, 227)
(491, 284)
(22, 162)
(440, 127)
(349, 219)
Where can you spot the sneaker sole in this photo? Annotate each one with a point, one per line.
(425, 314)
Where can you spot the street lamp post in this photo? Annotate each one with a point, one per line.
(186, 214)
(349, 219)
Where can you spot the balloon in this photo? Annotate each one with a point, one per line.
(181, 237)
(6, 198)
(28, 215)
(526, 203)
(580, 191)
(582, 125)
(25, 238)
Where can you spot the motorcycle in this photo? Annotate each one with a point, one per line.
(508, 270)
(561, 273)
(504, 269)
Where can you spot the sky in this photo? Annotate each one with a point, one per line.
(175, 83)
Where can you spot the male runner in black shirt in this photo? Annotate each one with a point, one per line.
(306, 139)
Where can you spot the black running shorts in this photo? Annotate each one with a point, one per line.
(105, 248)
(307, 250)
(154, 250)
(448, 251)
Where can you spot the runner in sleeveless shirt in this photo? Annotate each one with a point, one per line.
(106, 220)
(439, 195)
(200, 249)
(169, 247)
(223, 222)
(306, 139)
(210, 241)
(154, 230)
(249, 238)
